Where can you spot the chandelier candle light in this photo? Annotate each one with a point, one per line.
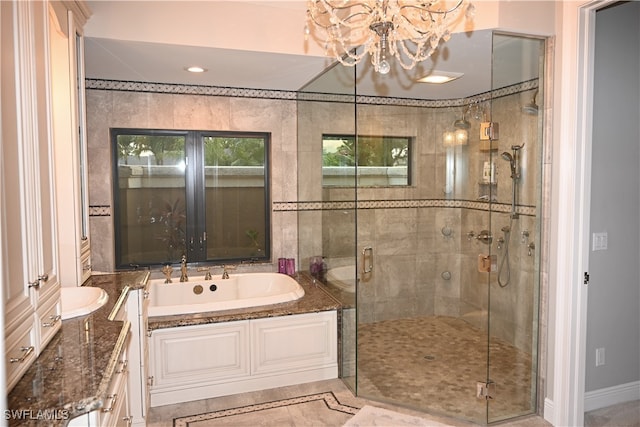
(407, 30)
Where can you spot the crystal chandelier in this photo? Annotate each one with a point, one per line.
(409, 30)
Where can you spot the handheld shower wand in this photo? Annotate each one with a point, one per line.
(513, 159)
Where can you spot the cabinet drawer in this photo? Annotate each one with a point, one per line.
(115, 410)
(85, 266)
(115, 399)
(20, 352)
(49, 321)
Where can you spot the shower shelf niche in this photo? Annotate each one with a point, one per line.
(487, 191)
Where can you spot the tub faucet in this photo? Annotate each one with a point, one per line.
(183, 269)
(167, 270)
(225, 273)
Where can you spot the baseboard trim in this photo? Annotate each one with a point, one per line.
(608, 396)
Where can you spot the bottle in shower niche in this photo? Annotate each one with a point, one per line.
(489, 173)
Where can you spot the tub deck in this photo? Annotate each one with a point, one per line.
(314, 300)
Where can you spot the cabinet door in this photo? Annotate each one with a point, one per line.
(28, 246)
(70, 151)
(287, 343)
(16, 272)
(199, 354)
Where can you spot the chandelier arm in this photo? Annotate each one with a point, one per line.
(416, 29)
(329, 9)
(341, 22)
(425, 8)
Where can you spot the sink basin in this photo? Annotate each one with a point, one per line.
(80, 301)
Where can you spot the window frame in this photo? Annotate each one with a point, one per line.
(195, 193)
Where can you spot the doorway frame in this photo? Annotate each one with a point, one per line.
(571, 198)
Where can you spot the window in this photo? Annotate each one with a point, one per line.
(380, 160)
(202, 194)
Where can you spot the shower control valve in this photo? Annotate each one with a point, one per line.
(470, 235)
(530, 248)
(525, 236)
(485, 237)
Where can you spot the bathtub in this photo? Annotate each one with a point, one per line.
(242, 290)
(343, 278)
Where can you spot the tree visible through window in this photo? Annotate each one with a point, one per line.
(379, 160)
(194, 193)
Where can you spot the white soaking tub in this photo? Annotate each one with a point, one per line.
(242, 290)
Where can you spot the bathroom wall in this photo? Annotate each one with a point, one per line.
(134, 107)
(404, 225)
(613, 309)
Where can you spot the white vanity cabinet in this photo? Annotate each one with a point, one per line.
(138, 350)
(28, 249)
(116, 410)
(197, 362)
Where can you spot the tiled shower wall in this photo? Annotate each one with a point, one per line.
(419, 267)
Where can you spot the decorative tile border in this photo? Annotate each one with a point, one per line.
(329, 399)
(401, 204)
(105, 210)
(182, 89)
(99, 210)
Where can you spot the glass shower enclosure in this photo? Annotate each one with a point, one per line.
(427, 215)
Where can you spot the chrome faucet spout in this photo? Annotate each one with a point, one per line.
(183, 269)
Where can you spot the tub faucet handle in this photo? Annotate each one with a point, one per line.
(167, 270)
(227, 268)
(207, 275)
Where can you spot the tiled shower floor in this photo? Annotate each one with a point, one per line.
(435, 363)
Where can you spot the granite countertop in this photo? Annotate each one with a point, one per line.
(315, 299)
(71, 375)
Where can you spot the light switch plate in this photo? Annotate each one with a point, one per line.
(599, 241)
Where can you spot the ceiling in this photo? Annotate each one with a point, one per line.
(260, 45)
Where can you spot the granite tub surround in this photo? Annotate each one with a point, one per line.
(71, 375)
(315, 299)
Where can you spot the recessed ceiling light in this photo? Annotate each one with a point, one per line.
(196, 69)
(439, 77)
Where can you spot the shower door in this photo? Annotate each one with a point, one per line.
(447, 260)
(513, 290)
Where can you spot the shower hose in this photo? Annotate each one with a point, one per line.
(504, 263)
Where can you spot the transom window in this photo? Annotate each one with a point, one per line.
(203, 194)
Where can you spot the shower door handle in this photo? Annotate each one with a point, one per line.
(367, 253)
